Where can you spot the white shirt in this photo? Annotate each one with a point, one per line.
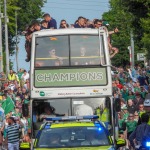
(25, 76)
(24, 121)
(83, 110)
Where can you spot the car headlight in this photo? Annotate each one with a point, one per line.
(147, 144)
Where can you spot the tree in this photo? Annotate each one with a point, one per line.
(117, 17)
(129, 15)
(27, 10)
(145, 23)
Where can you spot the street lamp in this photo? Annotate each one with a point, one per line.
(17, 48)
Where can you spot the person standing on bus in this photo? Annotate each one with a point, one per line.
(44, 24)
(37, 26)
(97, 23)
(63, 24)
(112, 50)
(52, 24)
(80, 23)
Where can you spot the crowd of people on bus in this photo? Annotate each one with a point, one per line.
(49, 22)
(132, 86)
(15, 124)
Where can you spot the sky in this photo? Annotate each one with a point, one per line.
(69, 10)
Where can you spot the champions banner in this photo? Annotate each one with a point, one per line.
(70, 77)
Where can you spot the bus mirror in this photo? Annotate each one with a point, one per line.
(117, 105)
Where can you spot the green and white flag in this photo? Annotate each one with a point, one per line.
(8, 105)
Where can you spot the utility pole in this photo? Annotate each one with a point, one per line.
(6, 38)
(132, 48)
(1, 48)
(16, 39)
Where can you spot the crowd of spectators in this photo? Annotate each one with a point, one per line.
(14, 96)
(132, 86)
(49, 22)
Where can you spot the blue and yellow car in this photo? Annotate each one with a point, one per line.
(74, 133)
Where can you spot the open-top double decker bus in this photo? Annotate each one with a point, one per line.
(71, 75)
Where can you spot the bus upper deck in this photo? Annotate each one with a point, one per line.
(70, 63)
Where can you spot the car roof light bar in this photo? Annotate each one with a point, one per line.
(69, 118)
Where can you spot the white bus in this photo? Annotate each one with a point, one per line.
(71, 74)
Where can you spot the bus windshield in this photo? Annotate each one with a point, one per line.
(71, 107)
(69, 50)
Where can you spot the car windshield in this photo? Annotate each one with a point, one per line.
(73, 137)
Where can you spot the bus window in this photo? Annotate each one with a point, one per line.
(52, 51)
(48, 108)
(58, 107)
(85, 50)
(91, 106)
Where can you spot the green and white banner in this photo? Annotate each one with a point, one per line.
(70, 77)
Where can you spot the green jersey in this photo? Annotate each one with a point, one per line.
(131, 126)
(122, 81)
(143, 94)
(124, 94)
(131, 97)
(20, 75)
(125, 116)
(136, 89)
(121, 123)
(26, 101)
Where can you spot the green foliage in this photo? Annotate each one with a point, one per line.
(25, 11)
(129, 15)
(145, 23)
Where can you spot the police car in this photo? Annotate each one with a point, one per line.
(74, 132)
